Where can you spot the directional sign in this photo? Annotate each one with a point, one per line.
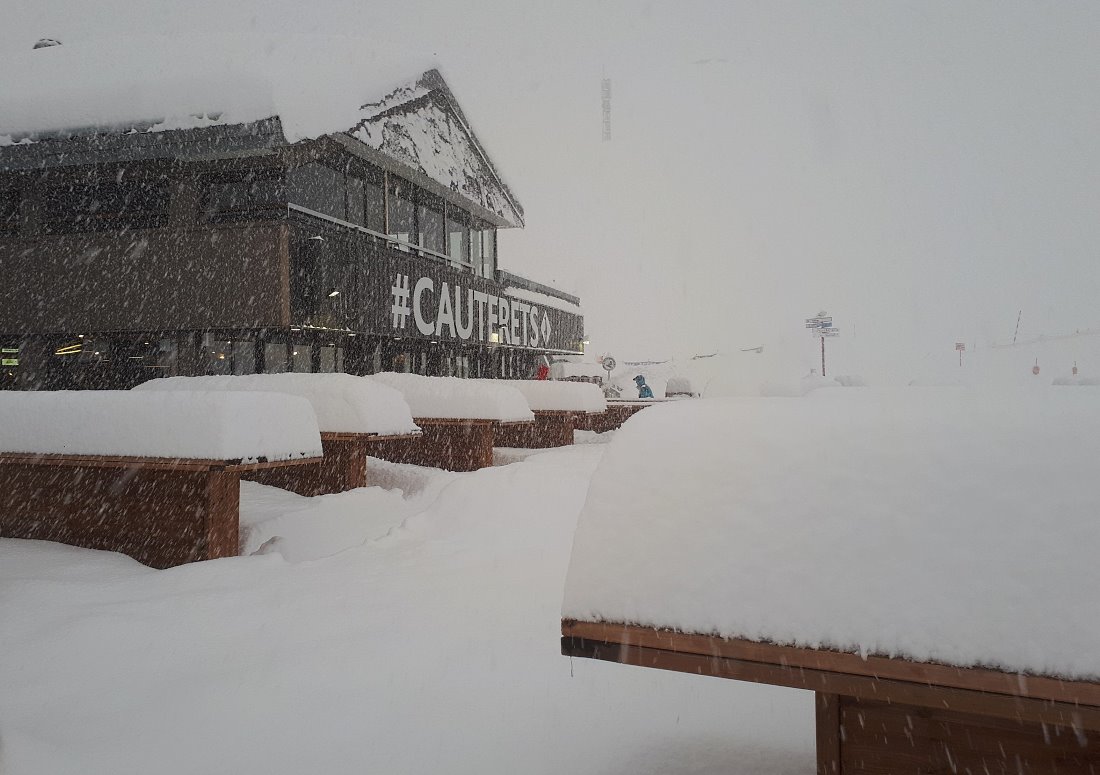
(832, 332)
(819, 321)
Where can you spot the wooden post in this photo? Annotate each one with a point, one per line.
(828, 733)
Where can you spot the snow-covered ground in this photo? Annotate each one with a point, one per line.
(374, 632)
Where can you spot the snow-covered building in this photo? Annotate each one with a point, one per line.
(155, 241)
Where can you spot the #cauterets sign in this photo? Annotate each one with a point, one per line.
(445, 305)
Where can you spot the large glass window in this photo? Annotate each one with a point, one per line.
(248, 198)
(402, 214)
(275, 357)
(244, 356)
(105, 206)
(220, 356)
(301, 358)
(355, 200)
(458, 238)
(320, 188)
(483, 250)
(430, 222)
(489, 253)
(375, 207)
(217, 356)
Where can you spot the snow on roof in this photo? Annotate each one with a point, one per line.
(460, 399)
(343, 403)
(543, 299)
(314, 84)
(553, 395)
(432, 136)
(206, 426)
(938, 524)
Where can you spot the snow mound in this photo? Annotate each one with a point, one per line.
(547, 395)
(451, 398)
(343, 403)
(941, 525)
(208, 426)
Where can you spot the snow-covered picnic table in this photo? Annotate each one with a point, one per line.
(153, 475)
(933, 549)
(559, 408)
(354, 414)
(458, 417)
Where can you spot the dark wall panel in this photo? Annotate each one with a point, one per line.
(173, 278)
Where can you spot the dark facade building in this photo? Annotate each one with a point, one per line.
(226, 249)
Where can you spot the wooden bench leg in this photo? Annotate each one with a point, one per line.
(828, 733)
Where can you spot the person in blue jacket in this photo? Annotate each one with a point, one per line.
(643, 388)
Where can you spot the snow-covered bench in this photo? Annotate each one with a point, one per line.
(922, 559)
(458, 417)
(559, 407)
(152, 475)
(353, 413)
(614, 416)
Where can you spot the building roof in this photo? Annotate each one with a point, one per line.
(226, 96)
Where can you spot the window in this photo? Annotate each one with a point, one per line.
(402, 214)
(483, 250)
(218, 356)
(275, 357)
(318, 188)
(327, 361)
(9, 211)
(244, 356)
(105, 206)
(430, 222)
(489, 254)
(301, 358)
(375, 207)
(248, 198)
(355, 200)
(458, 238)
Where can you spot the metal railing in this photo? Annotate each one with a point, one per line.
(401, 244)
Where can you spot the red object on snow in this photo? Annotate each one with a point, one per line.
(543, 372)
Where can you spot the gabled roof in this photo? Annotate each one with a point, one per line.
(170, 98)
(422, 126)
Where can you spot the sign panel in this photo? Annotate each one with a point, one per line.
(421, 299)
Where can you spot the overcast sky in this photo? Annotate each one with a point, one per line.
(923, 171)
